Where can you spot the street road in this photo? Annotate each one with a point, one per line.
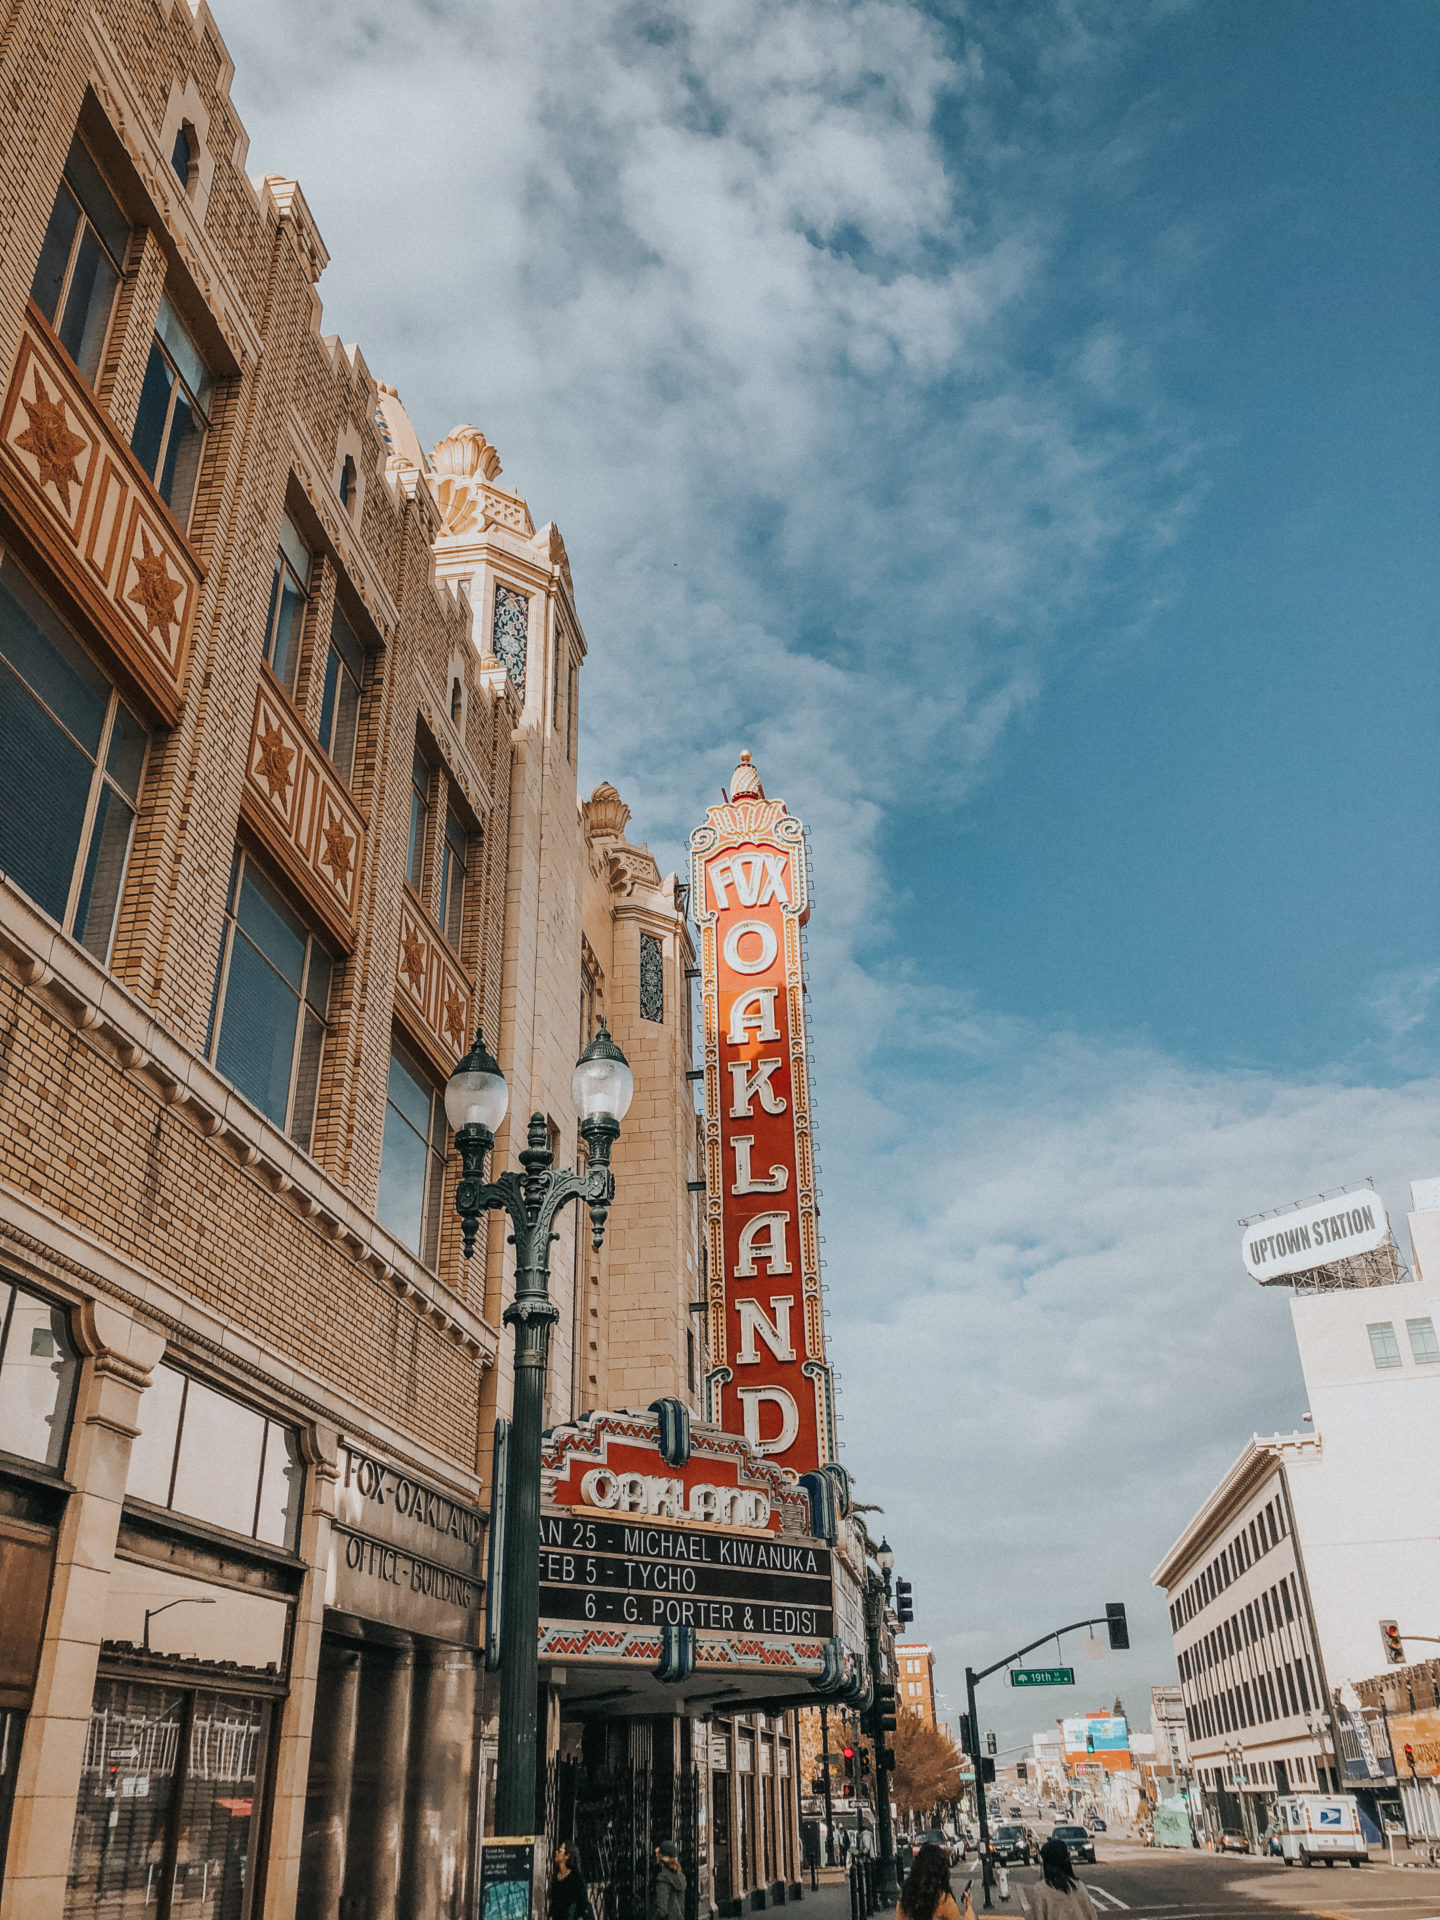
(1157, 1884)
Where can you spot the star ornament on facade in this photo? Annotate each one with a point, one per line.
(455, 1022)
(154, 592)
(50, 442)
(274, 766)
(338, 848)
(412, 963)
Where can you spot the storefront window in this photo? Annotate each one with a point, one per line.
(38, 1365)
(202, 1453)
(167, 1806)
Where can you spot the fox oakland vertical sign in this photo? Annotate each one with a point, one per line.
(768, 1374)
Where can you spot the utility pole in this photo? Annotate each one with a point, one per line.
(981, 1816)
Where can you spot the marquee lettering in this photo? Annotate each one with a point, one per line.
(745, 1181)
(748, 1084)
(768, 1376)
(753, 1011)
(775, 1333)
(752, 1399)
(753, 960)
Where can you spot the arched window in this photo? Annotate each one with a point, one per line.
(348, 479)
(457, 700)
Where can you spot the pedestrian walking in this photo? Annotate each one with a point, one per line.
(569, 1896)
(926, 1894)
(669, 1882)
(1059, 1896)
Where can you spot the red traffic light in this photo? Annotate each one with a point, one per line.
(849, 1752)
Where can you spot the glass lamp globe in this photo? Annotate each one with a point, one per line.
(603, 1085)
(476, 1094)
(885, 1554)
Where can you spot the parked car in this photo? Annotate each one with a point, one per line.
(1080, 1843)
(1097, 1825)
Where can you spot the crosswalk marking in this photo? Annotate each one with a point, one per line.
(1105, 1894)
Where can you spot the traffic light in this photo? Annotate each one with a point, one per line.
(1020, 1770)
(848, 1756)
(991, 1745)
(1410, 1758)
(1116, 1622)
(887, 1760)
(1393, 1644)
(904, 1602)
(885, 1707)
(965, 1741)
(1089, 1743)
(987, 1772)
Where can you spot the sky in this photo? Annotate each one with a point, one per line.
(1015, 421)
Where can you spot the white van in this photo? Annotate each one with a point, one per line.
(1319, 1826)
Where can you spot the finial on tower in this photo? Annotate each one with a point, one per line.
(746, 783)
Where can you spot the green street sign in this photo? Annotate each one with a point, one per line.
(1042, 1676)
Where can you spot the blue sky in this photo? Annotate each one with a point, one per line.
(1015, 423)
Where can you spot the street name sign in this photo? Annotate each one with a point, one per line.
(1042, 1676)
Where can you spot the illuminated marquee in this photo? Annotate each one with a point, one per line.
(769, 1378)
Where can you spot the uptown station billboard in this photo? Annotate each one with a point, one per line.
(768, 1377)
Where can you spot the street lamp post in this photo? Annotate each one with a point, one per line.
(476, 1099)
(875, 1594)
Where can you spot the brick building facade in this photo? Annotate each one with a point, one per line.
(288, 809)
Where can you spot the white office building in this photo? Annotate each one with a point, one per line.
(1278, 1585)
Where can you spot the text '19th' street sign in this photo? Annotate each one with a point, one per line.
(1042, 1676)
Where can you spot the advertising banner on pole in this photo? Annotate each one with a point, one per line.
(769, 1378)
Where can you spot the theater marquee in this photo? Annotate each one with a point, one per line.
(682, 1544)
(769, 1377)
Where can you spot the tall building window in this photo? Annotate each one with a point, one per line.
(171, 425)
(80, 261)
(1423, 1346)
(420, 778)
(272, 991)
(1383, 1344)
(340, 709)
(652, 978)
(289, 591)
(453, 866)
(412, 1160)
(201, 1453)
(511, 633)
(38, 1370)
(71, 758)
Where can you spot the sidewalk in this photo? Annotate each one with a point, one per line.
(831, 1899)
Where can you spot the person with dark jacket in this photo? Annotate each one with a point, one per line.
(669, 1883)
(568, 1897)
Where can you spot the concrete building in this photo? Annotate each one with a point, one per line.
(1279, 1583)
(915, 1679)
(288, 809)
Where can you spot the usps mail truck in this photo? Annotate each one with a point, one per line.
(1320, 1826)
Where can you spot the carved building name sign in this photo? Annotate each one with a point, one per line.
(404, 1553)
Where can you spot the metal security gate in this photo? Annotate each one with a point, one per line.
(614, 1816)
